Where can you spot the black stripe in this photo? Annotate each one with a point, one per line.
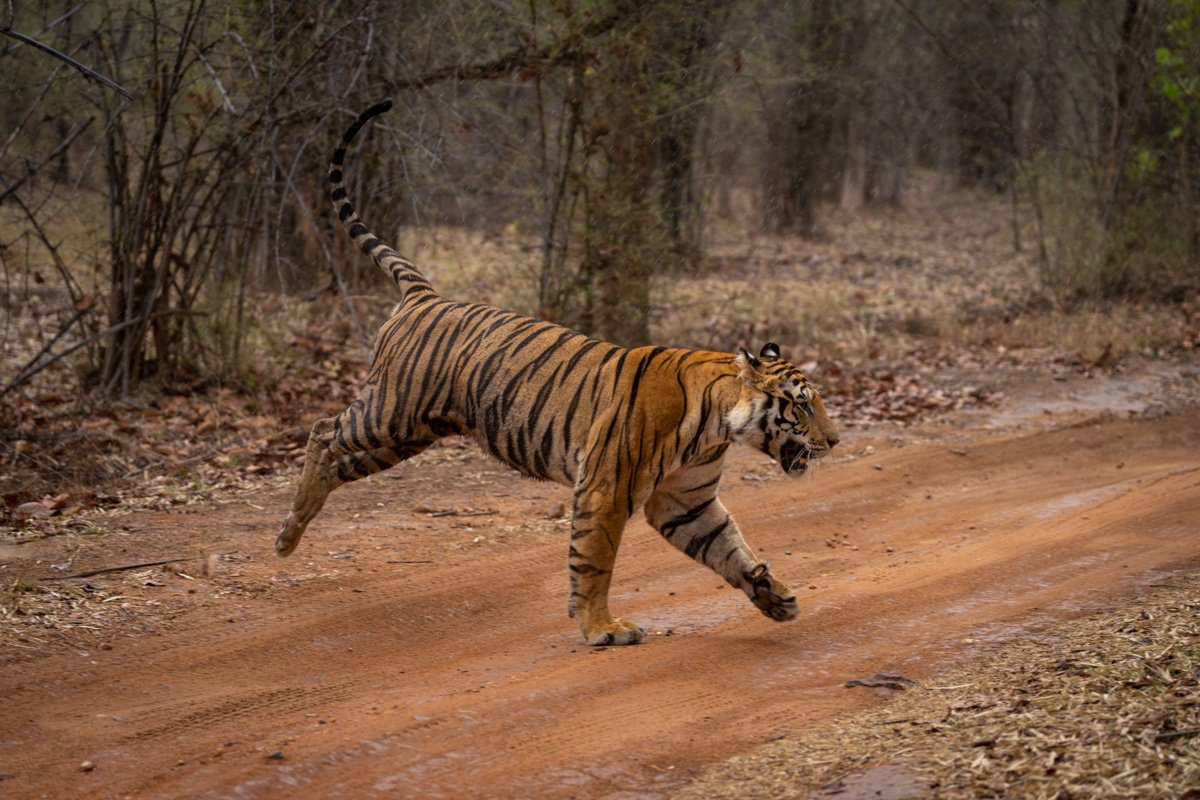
(573, 362)
(637, 381)
(544, 451)
(350, 430)
(709, 483)
(715, 455)
(686, 518)
(698, 547)
(567, 419)
(369, 433)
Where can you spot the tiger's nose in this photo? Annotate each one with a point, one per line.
(831, 441)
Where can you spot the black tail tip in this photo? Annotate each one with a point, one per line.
(378, 108)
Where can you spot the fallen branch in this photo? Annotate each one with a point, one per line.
(885, 680)
(1162, 737)
(121, 568)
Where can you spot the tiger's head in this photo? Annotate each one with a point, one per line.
(780, 412)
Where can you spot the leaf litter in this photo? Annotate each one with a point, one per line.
(1107, 706)
(36, 616)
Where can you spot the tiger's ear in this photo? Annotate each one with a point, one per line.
(769, 350)
(752, 374)
(746, 360)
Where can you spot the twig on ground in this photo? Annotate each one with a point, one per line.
(121, 568)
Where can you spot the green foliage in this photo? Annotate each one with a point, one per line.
(1139, 253)
(1122, 223)
(1177, 76)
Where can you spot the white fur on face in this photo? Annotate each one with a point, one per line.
(743, 417)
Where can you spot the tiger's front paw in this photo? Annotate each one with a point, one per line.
(770, 596)
(618, 631)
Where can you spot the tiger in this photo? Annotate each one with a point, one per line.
(627, 428)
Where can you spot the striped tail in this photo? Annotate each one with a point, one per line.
(403, 272)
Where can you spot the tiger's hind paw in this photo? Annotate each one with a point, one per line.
(772, 598)
(613, 633)
(289, 537)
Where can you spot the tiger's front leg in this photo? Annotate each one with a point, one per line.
(595, 535)
(686, 511)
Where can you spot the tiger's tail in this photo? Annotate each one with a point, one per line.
(403, 271)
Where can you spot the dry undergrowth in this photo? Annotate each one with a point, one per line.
(1103, 707)
(938, 275)
(885, 311)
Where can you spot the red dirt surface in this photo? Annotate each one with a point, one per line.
(405, 651)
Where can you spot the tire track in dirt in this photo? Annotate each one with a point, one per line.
(440, 679)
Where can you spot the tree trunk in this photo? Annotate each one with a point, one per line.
(625, 240)
(853, 188)
(798, 131)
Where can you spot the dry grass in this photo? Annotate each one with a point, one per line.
(476, 266)
(37, 616)
(1088, 334)
(1104, 707)
(940, 274)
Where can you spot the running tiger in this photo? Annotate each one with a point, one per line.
(627, 428)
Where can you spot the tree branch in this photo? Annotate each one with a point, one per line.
(45, 48)
(32, 368)
(63, 145)
(53, 24)
(537, 62)
(123, 567)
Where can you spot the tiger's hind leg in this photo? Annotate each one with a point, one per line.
(330, 461)
(684, 508)
(365, 464)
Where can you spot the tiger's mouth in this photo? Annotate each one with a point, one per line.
(794, 457)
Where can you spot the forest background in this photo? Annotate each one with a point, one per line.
(668, 172)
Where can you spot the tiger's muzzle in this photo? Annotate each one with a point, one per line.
(794, 457)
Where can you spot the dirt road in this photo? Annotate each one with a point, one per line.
(417, 644)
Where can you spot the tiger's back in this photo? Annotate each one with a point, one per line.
(530, 392)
